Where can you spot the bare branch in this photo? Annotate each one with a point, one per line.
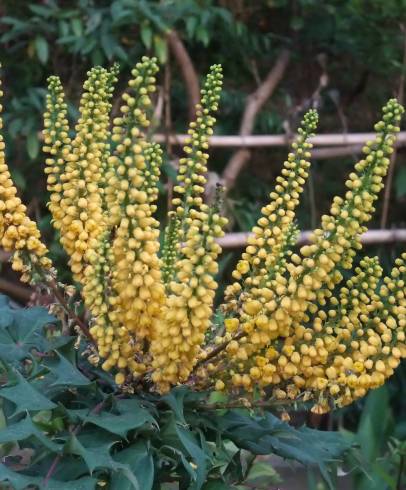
(391, 170)
(18, 292)
(254, 103)
(187, 69)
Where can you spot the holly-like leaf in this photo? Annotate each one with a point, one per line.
(175, 399)
(268, 434)
(178, 398)
(20, 481)
(97, 455)
(21, 330)
(25, 429)
(140, 460)
(25, 397)
(196, 453)
(65, 372)
(131, 416)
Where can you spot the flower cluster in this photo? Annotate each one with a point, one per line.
(18, 233)
(290, 327)
(278, 331)
(103, 198)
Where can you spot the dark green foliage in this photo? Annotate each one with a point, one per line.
(64, 429)
(380, 437)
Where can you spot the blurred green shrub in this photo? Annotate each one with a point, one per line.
(66, 37)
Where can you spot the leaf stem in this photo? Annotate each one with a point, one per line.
(60, 297)
(97, 409)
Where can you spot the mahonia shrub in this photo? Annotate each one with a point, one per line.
(291, 327)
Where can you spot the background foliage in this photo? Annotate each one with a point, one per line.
(347, 53)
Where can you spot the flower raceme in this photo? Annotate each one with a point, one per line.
(292, 328)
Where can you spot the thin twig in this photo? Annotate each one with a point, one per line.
(53, 286)
(246, 404)
(187, 69)
(219, 348)
(254, 104)
(20, 293)
(392, 164)
(400, 474)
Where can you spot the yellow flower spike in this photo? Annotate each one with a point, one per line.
(192, 169)
(189, 306)
(103, 135)
(18, 234)
(137, 291)
(56, 144)
(336, 331)
(275, 232)
(83, 222)
(80, 205)
(131, 156)
(336, 242)
(260, 272)
(293, 300)
(169, 249)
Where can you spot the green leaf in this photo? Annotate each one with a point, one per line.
(120, 53)
(98, 456)
(268, 434)
(20, 481)
(169, 171)
(195, 451)
(17, 480)
(132, 416)
(400, 183)
(41, 10)
(32, 145)
(118, 12)
(21, 331)
(175, 400)
(94, 457)
(191, 24)
(25, 429)
(108, 44)
(161, 48)
(140, 460)
(202, 35)
(41, 48)
(182, 397)
(262, 475)
(66, 373)
(376, 423)
(77, 27)
(25, 397)
(146, 34)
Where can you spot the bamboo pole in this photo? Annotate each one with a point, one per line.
(371, 237)
(353, 140)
